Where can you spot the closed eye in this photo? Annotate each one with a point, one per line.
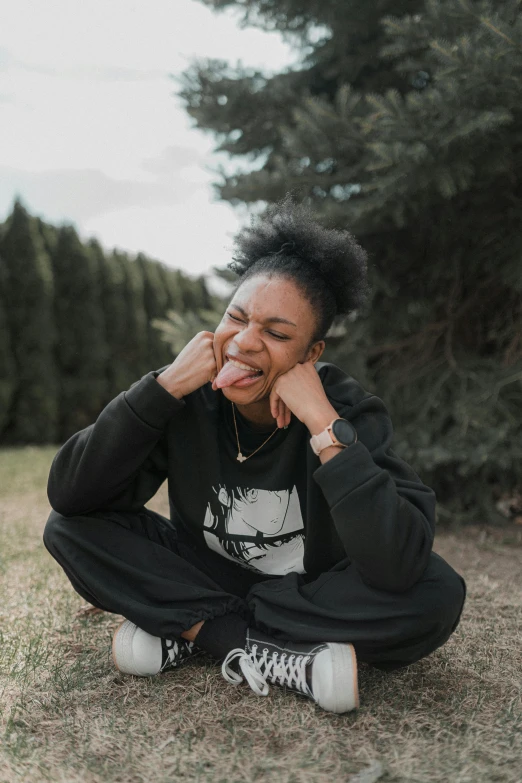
(277, 336)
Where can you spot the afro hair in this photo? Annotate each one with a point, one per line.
(327, 264)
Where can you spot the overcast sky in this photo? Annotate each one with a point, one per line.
(92, 133)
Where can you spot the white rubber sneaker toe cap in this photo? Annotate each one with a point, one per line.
(334, 678)
(135, 651)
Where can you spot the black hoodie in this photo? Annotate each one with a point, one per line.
(279, 511)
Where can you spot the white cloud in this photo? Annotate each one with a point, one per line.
(110, 126)
(92, 130)
(193, 236)
(94, 192)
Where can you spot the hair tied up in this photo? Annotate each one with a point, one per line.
(290, 245)
(327, 265)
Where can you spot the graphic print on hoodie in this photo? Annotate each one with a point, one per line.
(260, 529)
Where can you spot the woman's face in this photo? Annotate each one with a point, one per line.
(249, 331)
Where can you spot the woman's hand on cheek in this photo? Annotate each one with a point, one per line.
(279, 410)
(299, 391)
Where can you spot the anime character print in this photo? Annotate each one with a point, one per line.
(260, 529)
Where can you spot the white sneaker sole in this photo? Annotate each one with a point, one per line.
(329, 674)
(122, 648)
(138, 656)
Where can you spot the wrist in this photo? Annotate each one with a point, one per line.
(329, 452)
(169, 386)
(320, 419)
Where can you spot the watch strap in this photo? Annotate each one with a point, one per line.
(325, 439)
(321, 441)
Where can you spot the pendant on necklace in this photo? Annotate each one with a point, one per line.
(240, 457)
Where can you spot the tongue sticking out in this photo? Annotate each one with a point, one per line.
(230, 374)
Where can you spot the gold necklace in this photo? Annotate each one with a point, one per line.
(240, 457)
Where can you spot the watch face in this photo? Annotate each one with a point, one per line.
(343, 431)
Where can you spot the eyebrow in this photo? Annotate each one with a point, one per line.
(273, 319)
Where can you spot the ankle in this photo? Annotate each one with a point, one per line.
(191, 633)
(220, 634)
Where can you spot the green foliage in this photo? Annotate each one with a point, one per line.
(81, 349)
(155, 301)
(225, 274)
(76, 326)
(27, 275)
(171, 282)
(133, 345)
(8, 372)
(401, 123)
(178, 329)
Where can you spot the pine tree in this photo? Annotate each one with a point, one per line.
(108, 299)
(27, 275)
(115, 307)
(49, 235)
(156, 305)
(134, 347)
(81, 349)
(172, 282)
(252, 114)
(8, 370)
(86, 321)
(402, 127)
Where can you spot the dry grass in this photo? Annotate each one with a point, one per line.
(68, 716)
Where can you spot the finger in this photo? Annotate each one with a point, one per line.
(288, 417)
(274, 402)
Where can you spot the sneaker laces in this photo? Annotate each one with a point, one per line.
(176, 649)
(279, 668)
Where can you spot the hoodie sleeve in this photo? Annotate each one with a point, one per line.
(383, 513)
(120, 461)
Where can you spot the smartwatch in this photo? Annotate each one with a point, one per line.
(338, 433)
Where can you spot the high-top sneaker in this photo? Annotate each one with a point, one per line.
(323, 671)
(137, 652)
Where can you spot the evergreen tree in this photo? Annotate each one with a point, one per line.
(172, 282)
(28, 297)
(194, 293)
(107, 302)
(177, 329)
(49, 234)
(81, 349)
(402, 126)
(8, 371)
(340, 43)
(156, 305)
(115, 307)
(134, 347)
(93, 331)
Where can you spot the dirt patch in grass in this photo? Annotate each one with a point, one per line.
(68, 715)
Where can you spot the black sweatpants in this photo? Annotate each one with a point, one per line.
(140, 566)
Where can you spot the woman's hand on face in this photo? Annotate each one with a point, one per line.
(298, 391)
(194, 366)
(279, 410)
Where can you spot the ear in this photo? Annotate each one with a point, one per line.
(223, 497)
(315, 352)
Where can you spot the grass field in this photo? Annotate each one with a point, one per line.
(68, 715)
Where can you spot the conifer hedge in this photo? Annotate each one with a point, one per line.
(76, 326)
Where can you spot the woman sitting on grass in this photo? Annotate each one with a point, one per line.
(298, 541)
